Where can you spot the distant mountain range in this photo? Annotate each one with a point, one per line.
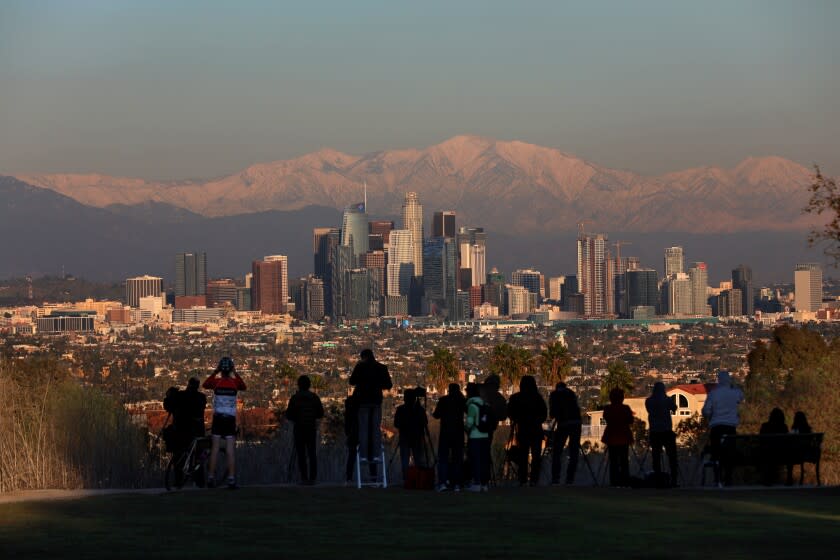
(530, 199)
(514, 187)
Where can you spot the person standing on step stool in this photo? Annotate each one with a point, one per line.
(370, 378)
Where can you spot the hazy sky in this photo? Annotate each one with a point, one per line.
(165, 89)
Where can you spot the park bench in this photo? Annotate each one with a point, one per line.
(772, 450)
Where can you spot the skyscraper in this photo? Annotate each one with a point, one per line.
(591, 274)
(357, 301)
(270, 285)
(469, 237)
(530, 279)
(742, 280)
(354, 230)
(323, 240)
(440, 273)
(190, 274)
(808, 282)
(374, 262)
(677, 295)
(555, 287)
(729, 303)
(699, 277)
(642, 289)
(412, 217)
(478, 264)
(400, 268)
(443, 224)
(383, 229)
(220, 292)
(142, 286)
(342, 261)
(674, 261)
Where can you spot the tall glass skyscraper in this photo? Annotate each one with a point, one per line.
(742, 280)
(674, 261)
(412, 216)
(354, 230)
(190, 274)
(400, 269)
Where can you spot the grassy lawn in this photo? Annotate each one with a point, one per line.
(506, 523)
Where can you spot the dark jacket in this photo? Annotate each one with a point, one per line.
(563, 407)
(490, 394)
(305, 409)
(659, 408)
(527, 411)
(410, 420)
(450, 411)
(619, 419)
(187, 409)
(370, 378)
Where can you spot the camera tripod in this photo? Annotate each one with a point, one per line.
(427, 448)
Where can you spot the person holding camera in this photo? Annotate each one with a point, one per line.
(450, 411)
(305, 409)
(225, 384)
(370, 378)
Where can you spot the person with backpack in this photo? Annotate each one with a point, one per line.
(478, 428)
(491, 395)
(305, 409)
(563, 407)
(410, 420)
(527, 413)
(450, 410)
(225, 384)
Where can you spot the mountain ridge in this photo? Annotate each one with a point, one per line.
(522, 187)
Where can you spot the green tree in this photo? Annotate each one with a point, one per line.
(825, 197)
(618, 377)
(441, 369)
(510, 363)
(555, 363)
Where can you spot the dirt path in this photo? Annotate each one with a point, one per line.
(49, 495)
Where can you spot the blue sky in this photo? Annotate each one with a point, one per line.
(170, 90)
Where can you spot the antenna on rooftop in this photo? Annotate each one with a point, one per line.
(365, 197)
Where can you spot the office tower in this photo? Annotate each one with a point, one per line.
(494, 289)
(477, 264)
(462, 306)
(467, 238)
(354, 230)
(677, 289)
(323, 241)
(674, 261)
(375, 242)
(142, 286)
(591, 251)
(400, 268)
(342, 261)
(270, 285)
(517, 300)
(699, 277)
(443, 224)
(243, 298)
(532, 280)
(729, 303)
(382, 228)
(190, 274)
(630, 263)
(742, 280)
(555, 287)
(642, 289)
(570, 286)
(807, 281)
(476, 296)
(375, 262)
(412, 219)
(358, 299)
(440, 273)
(610, 274)
(220, 292)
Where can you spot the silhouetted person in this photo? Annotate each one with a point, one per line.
(800, 424)
(479, 441)
(225, 383)
(660, 407)
(721, 409)
(370, 378)
(351, 430)
(490, 394)
(410, 419)
(305, 409)
(775, 425)
(450, 411)
(187, 409)
(618, 436)
(527, 413)
(563, 407)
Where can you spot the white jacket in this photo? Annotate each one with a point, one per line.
(721, 407)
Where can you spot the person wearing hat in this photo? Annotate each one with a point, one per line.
(225, 384)
(721, 410)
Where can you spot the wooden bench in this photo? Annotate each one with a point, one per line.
(772, 450)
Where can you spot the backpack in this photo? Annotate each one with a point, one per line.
(487, 421)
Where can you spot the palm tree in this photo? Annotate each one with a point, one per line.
(555, 363)
(618, 377)
(441, 369)
(510, 363)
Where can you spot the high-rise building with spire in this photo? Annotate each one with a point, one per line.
(412, 218)
(354, 230)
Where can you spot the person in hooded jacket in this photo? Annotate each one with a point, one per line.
(618, 436)
(305, 409)
(479, 441)
(660, 407)
(527, 413)
(721, 410)
(450, 410)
